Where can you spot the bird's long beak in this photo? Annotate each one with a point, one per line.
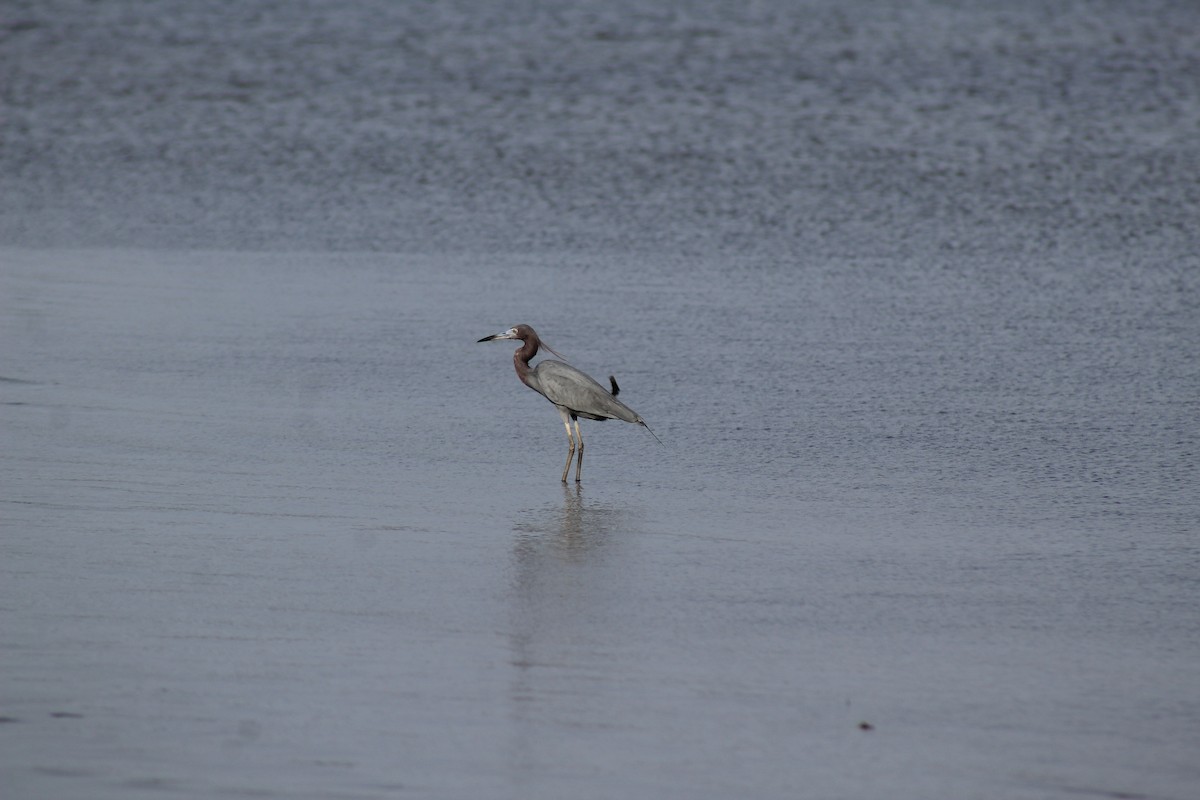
(511, 333)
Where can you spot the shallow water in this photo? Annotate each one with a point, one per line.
(277, 524)
(921, 343)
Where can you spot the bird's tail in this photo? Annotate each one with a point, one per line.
(642, 422)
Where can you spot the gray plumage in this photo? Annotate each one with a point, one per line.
(573, 392)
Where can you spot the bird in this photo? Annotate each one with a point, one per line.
(573, 392)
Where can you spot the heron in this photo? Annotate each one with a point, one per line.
(573, 392)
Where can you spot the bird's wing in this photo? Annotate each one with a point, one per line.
(574, 390)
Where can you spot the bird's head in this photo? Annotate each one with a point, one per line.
(525, 334)
(517, 332)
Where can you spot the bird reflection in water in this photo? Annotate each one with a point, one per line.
(567, 533)
(563, 609)
(561, 571)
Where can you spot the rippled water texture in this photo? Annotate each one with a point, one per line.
(909, 292)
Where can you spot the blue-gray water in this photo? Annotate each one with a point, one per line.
(909, 291)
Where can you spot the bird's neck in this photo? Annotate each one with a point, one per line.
(521, 359)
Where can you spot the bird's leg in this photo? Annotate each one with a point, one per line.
(579, 463)
(570, 443)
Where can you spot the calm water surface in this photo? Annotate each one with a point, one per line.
(277, 524)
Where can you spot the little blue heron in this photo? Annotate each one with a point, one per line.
(572, 392)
